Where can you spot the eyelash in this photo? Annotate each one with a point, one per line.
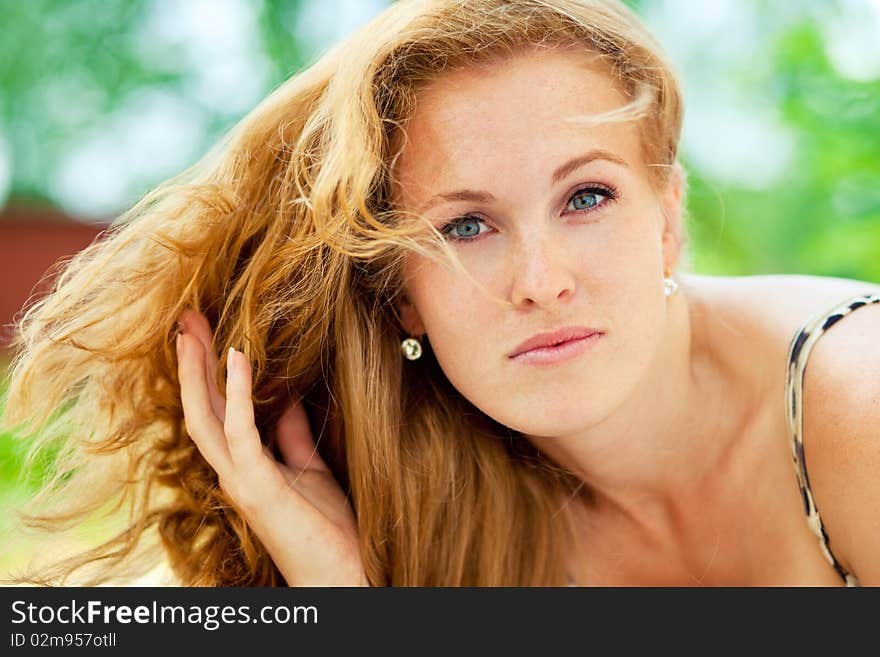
(610, 194)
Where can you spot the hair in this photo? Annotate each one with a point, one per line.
(285, 237)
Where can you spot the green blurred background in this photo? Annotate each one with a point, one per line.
(102, 99)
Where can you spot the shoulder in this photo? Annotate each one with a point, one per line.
(777, 301)
(842, 438)
(760, 315)
(841, 397)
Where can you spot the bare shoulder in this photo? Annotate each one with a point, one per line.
(841, 396)
(757, 316)
(842, 438)
(777, 302)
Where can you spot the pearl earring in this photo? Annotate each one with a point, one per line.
(670, 286)
(411, 348)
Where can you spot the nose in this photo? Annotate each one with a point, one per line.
(541, 275)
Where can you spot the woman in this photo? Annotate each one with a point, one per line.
(441, 264)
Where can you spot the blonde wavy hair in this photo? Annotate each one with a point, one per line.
(286, 238)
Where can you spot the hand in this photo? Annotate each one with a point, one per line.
(296, 508)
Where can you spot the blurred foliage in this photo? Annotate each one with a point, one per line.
(823, 218)
(63, 66)
(15, 477)
(67, 65)
(16, 483)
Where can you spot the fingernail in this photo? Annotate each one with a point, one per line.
(229, 366)
(177, 341)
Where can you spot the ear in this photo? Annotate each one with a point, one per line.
(410, 319)
(672, 202)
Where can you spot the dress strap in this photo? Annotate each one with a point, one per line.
(799, 351)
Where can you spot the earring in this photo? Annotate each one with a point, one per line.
(411, 348)
(670, 286)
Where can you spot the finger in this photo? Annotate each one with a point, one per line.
(244, 441)
(201, 423)
(195, 323)
(296, 442)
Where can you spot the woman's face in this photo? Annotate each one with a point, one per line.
(559, 220)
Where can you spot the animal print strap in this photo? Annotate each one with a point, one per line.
(801, 345)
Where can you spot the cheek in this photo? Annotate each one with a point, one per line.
(631, 253)
(459, 321)
(453, 315)
(628, 290)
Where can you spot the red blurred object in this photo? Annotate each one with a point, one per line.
(31, 242)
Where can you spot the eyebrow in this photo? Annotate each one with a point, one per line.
(560, 173)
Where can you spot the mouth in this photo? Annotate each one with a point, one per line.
(555, 346)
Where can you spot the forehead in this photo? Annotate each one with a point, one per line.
(510, 117)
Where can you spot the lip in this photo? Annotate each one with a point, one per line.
(555, 343)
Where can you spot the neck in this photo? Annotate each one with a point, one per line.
(664, 444)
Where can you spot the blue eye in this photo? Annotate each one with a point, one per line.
(587, 199)
(590, 197)
(463, 228)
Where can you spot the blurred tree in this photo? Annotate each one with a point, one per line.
(63, 67)
(823, 215)
(71, 69)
